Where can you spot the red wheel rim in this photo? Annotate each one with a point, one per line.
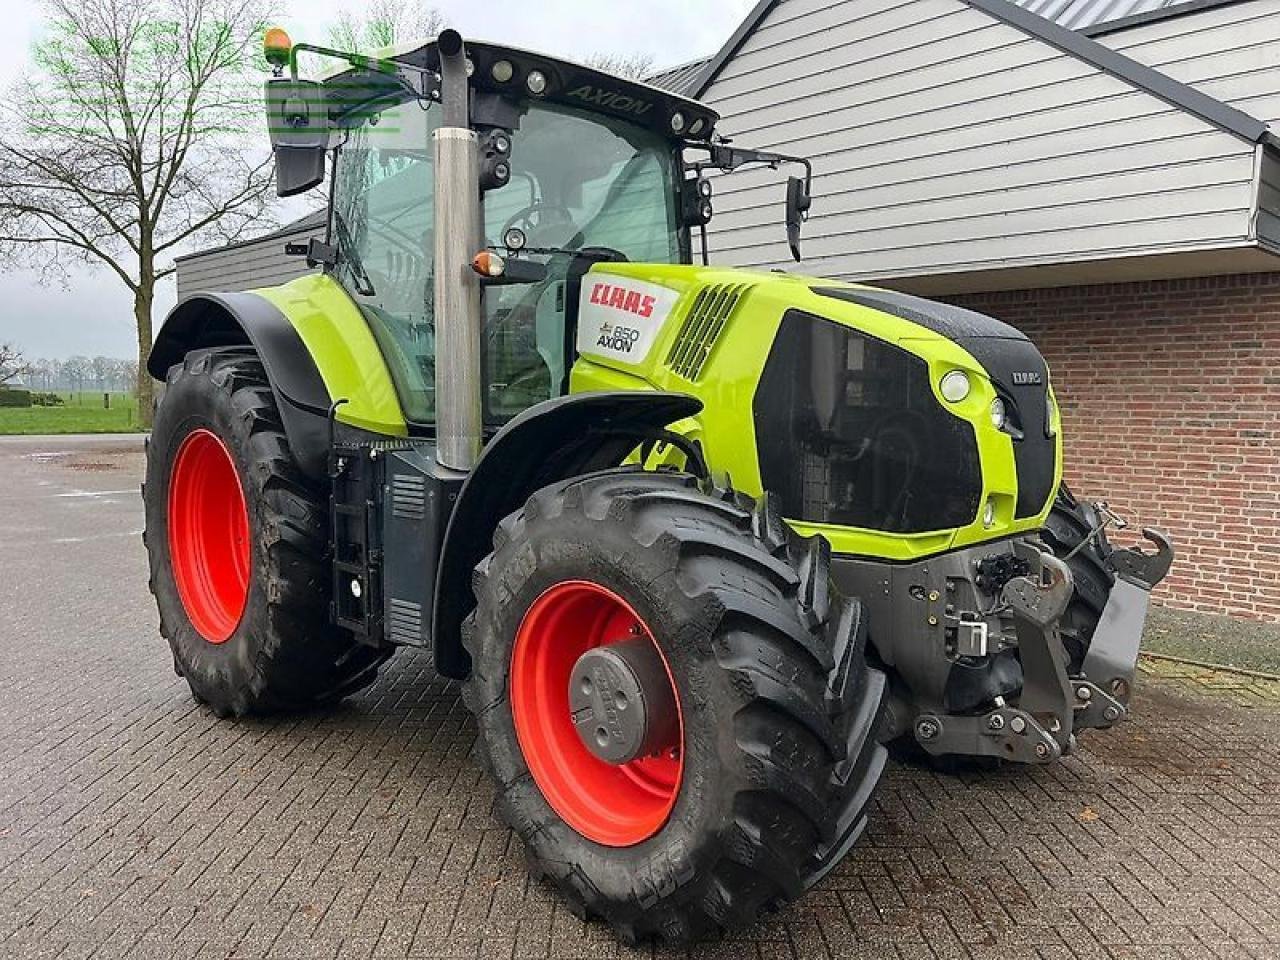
(209, 536)
(613, 805)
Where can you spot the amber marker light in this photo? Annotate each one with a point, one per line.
(276, 46)
(488, 264)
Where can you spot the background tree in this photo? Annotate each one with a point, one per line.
(636, 66)
(12, 364)
(126, 142)
(384, 23)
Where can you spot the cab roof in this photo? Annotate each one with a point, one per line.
(569, 83)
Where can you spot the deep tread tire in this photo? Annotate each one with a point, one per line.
(1070, 523)
(781, 708)
(284, 655)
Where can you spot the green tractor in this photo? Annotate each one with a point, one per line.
(697, 542)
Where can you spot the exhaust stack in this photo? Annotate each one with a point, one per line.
(459, 235)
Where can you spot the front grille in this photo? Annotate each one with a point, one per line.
(707, 319)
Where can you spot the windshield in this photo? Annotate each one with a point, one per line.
(578, 181)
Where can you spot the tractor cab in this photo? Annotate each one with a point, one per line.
(573, 167)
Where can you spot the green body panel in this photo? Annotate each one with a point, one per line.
(345, 352)
(727, 383)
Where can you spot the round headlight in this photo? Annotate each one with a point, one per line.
(955, 386)
(989, 514)
(999, 414)
(537, 82)
(705, 189)
(503, 71)
(677, 123)
(698, 126)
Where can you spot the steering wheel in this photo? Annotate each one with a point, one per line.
(524, 219)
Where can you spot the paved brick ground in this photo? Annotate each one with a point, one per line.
(134, 824)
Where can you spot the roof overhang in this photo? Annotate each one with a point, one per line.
(1252, 257)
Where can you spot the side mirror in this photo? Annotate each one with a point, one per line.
(798, 203)
(298, 122)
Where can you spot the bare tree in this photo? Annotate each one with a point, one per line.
(385, 23)
(12, 364)
(635, 66)
(125, 142)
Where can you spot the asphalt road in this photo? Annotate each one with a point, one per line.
(134, 824)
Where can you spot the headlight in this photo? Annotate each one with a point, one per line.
(999, 414)
(955, 386)
(989, 514)
(536, 82)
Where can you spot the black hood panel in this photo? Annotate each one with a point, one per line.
(1015, 366)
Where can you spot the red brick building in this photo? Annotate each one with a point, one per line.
(1106, 180)
(1171, 402)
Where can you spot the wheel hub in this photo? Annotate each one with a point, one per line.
(621, 701)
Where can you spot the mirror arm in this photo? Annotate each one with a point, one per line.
(392, 68)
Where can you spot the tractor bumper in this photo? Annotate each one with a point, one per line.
(1054, 705)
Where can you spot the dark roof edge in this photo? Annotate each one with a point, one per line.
(734, 44)
(1188, 99)
(1153, 16)
(312, 221)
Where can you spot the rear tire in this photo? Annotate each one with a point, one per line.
(779, 709)
(1069, 524)
(257, 639)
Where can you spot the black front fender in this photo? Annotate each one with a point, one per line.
(553, 441)
(210, 320)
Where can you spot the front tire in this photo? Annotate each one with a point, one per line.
(767, 784)
(237, 539)
(1067, 533)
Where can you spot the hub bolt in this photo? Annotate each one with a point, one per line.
(928, 729)
(1018, 725)
(1042, 750)
(1084, 693)
(996, 722)
(1112, 714)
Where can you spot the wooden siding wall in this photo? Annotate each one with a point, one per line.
(260, 263)
(1229, 52)
(946, 141)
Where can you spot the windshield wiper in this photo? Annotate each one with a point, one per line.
(347, 250)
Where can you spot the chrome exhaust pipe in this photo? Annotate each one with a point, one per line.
(459, 235)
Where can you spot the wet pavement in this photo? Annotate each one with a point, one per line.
(134, 824)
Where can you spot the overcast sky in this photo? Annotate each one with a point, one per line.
(94, 315)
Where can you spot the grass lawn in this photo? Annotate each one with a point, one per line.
(83, 413)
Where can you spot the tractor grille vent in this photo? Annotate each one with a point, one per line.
(707, 319)
(408, 497)
(404, 623)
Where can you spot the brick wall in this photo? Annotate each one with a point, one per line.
(1171, 401)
